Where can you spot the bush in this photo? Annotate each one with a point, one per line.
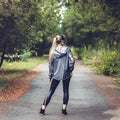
(86, 55)
(89, 56)
(26, 55)
(76, 51)
(118, 79)
(109, 63)
(104, 61)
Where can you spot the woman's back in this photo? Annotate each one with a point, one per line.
(62, 64)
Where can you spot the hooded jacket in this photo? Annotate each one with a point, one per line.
(62, 64)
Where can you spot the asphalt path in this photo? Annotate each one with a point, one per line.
(86, 102)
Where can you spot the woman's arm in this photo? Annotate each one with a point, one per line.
(71, 60)
(50, 69)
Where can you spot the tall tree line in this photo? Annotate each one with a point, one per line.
(93, 23)
(30, 24)
(27, 25)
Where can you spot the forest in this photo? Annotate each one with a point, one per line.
(92, 27)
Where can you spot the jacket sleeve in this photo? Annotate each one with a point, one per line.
(71, 60)
(50, 69)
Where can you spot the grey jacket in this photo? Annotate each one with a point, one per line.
(62, 64)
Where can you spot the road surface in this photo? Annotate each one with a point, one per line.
(87, 102)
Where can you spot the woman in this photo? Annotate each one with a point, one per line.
(61, 65)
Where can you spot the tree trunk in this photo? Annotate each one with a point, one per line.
(2, 56)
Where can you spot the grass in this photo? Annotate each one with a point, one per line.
(15, 69)
(117, 83)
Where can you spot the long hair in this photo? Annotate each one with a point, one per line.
(56, 41)
(52, 49)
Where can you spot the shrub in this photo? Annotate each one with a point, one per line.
(118, 79)
(25, 56)
(89, 56)
(76, 51)
(109, 63)
(104, 61)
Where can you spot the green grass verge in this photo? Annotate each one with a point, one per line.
(15, 69)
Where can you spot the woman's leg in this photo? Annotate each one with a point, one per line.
(53, 86)
(65, 93)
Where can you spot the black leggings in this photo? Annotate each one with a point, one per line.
(53, 86)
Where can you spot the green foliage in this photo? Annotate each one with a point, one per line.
(90, 56)
(86, 55)
(90, 23)
(113, 6)
(118, 79)
(109, 63)
(104, 61)
(25, 56)
(27, 24)
(76, 51)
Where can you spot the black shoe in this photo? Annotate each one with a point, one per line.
(42, 111)
(64, 112)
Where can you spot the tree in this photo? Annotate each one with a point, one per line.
(88, 22)
(27, 25)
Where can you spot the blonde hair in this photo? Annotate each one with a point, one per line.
(54, 45)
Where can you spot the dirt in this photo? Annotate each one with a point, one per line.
(108, 87)
(18, 86)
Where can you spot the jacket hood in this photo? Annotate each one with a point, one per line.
(60, 51)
